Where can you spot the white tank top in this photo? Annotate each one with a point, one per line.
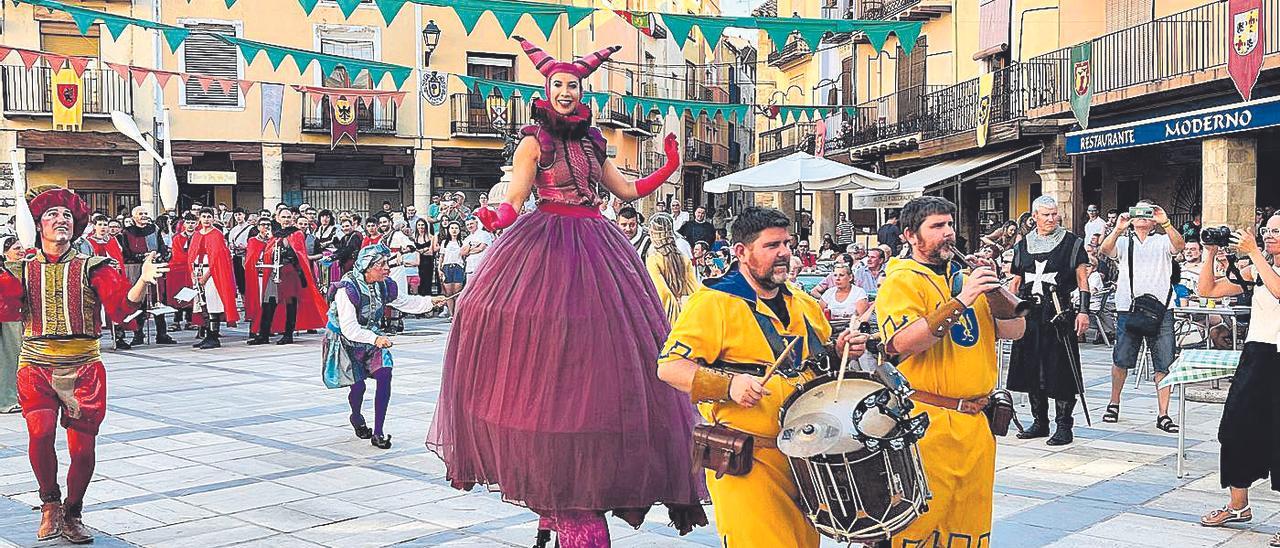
(1264, 318)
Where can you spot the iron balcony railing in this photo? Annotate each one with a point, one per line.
(379, 119)
(644, 127)
(1182, 43)
(475, 115)
(616, 114)
(883, 9)
(30, 92)
(954, 109)
(778, 142)
(697, 150)
(895, 115)
(651, 161)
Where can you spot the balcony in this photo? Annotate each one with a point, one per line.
(29, 93)
(379, 119)
(892, 122)
(901, 10)
(644, 127)
(698, 151)
(779, 142)
(486, 117)
(795, 50)
(651, 161)
(954, 109)
(1178, 50)
(615, 114)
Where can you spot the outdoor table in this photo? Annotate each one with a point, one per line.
(1225, 311)
(1191, 367)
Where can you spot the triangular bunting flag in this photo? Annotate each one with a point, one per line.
(175, 37)
(678, 26)
(29, 58)
(204, 82)
(162, 77)
(507, 20)
(546, 22)
(245, 86)
(78, 64)
(348, 7)
(122, 70)
(226, 85)
(55, 61)
(139, 74)
(389, 9)
(397, 98)
(4, 52)
(468, 16)
(308, 6)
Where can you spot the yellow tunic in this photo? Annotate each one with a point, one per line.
(670, 302)
(758, 509)
(958, 450)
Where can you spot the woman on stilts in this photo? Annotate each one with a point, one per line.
(550, 391)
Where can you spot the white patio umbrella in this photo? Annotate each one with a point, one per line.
(800, 171)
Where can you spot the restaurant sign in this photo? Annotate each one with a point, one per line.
(1191, 125)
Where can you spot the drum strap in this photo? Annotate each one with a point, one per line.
(778, 343)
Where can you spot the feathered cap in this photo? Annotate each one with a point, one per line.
(61, 197)
(549, 66)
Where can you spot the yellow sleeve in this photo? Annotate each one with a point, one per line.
(660, 283)
(698, 333)
(899, 302)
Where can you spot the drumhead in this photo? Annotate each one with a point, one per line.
(815, 422)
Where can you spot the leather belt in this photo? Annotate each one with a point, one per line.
(743, 368)
(968, 407)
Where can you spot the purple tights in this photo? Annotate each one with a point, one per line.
(577, 528)
(381, 397)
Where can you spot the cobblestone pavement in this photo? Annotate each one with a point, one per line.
(244, 446)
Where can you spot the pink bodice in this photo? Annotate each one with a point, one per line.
(571, 177)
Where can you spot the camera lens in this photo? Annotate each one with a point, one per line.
(1219, 236)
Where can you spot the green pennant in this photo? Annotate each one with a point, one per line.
(779, 32)
(249, 51)
(546, 22)
(399, 75)
(812, 30)
(327, 66)
(712, 28)
(877, 36)
(229, 3)
(389, 9)
(507, 20)
(115, 26)
(577, 14)
(600, 99)
(84, 21)
(678, 26)
(467, 82)
(485, 87)
(308, 6)
(175, 37)
(468, 16)
(302, 61)
(908, 35)
(348, 7)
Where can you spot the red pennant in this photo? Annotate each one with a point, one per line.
(1246, 41)
(204, 82)
(4, 52)
(245, 86)
(226, 85)
(139, 74)
(162, 77)
(29, 58)
(122, 70)
(78, 64)
(55, 62)
(397, 98)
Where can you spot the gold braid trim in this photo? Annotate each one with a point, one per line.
(943, 317)
(710, 385)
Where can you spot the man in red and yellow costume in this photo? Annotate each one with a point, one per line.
(57, 295)
(99, 243)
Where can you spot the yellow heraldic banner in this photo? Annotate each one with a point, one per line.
(68, 100)
(985, 83)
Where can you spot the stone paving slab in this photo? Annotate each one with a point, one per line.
(244, 447)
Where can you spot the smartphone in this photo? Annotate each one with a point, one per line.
(1141, 212)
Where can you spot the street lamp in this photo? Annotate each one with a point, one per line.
(430, 39)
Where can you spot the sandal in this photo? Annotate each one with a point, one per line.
(1275, 540)
(1165, 423)
(1112, 414)
(1225, 515)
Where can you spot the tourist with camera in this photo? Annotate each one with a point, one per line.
(1144, 295)
(1248, 431)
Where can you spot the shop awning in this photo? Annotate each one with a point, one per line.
(799, 171)
(958, 170)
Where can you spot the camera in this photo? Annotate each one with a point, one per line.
(1145, 212)
(1219, 236)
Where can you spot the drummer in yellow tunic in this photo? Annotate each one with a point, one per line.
(938, 322)
(718, 351)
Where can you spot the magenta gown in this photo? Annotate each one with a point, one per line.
(550, 392)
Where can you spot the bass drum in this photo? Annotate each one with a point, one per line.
(853, 454)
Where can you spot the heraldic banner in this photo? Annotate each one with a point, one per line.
(985, 83)
(1082, 82)
(1247, 36)
(68, 100)
(342, 122)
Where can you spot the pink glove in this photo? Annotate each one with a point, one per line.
(646, 185)
(503, 218)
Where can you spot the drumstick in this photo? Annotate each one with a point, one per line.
(768, 373)
(844, 362)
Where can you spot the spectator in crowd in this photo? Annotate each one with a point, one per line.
(1003, 237)
(830, 280)
(1145, 258)
(889, 234)
(844, 299)
(609, 207)
(869, 272)
(703, 261)
(1095, 225)
(804, 225)
(827, 249)
(474, 245)
(793, 242)
(722, 240)
(858, 253)
(411, 216)
(114, 228)
(1191, 228)
(720, 219)
(1112, 216)
(629, 221)
(678, 215)
(661, 207)
(672, 273)
(1192, 262)
(386, 208)
(238, 240)
(224, 215)
(370, 233)
(424, 246)
(453, 269)
(699, 229)
(807, 258)
(844, 233)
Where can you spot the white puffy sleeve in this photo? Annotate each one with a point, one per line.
(349, 323)
(410, 304)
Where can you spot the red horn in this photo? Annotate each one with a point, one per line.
(541, 59)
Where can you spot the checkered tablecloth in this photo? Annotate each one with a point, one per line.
(1201, 365)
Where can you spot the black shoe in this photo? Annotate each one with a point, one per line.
(200, 342)
(1061, 436)
(362, 431)
(138, 340)
(540, 541)
(1037, 430)
(381, 442)
(163, 338)
(259, 340)
(122, 345)
(287, 339)
(211, 342)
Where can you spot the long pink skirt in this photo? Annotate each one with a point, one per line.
(550, 391)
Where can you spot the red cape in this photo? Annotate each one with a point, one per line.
(214, 245)
(110, 248)
(179, 275)
(312, 307)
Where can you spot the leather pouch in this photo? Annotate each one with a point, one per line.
(722, 450)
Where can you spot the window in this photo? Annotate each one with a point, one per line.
(492, 67)
(64, 39)
(846, 81)
(205, 54)
(358, 43)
